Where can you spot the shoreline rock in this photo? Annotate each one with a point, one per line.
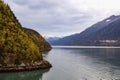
(17, 68)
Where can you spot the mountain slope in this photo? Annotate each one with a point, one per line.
(51, 39)
(105, 32)
(38, 40)
(16, 47)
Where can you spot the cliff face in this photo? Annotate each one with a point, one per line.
(38, 40)
(16, 47)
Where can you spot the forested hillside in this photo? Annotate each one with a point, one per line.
(38, 40)
(16, 46)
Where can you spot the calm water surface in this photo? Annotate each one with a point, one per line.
(75, 63)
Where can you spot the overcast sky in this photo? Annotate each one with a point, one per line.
(62, 17)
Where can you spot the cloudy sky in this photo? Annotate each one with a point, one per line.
(62, 17)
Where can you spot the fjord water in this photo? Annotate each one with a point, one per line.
(75, 63)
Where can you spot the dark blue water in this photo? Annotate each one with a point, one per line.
(75, 63)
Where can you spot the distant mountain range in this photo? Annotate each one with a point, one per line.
(51, 39)
(103, 33)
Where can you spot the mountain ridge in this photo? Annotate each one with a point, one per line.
(38, 39)
(94, 35)
(17, 49)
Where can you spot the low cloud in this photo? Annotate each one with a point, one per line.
(60, 18)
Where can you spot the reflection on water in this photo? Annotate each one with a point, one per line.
(28, 75)
(75, 63)
(111, 56)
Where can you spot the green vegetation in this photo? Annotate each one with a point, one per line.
(38, 40)
(16, 46)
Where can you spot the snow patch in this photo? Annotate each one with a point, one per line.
(108, 20)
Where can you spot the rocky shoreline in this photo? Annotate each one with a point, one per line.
(36, 66)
